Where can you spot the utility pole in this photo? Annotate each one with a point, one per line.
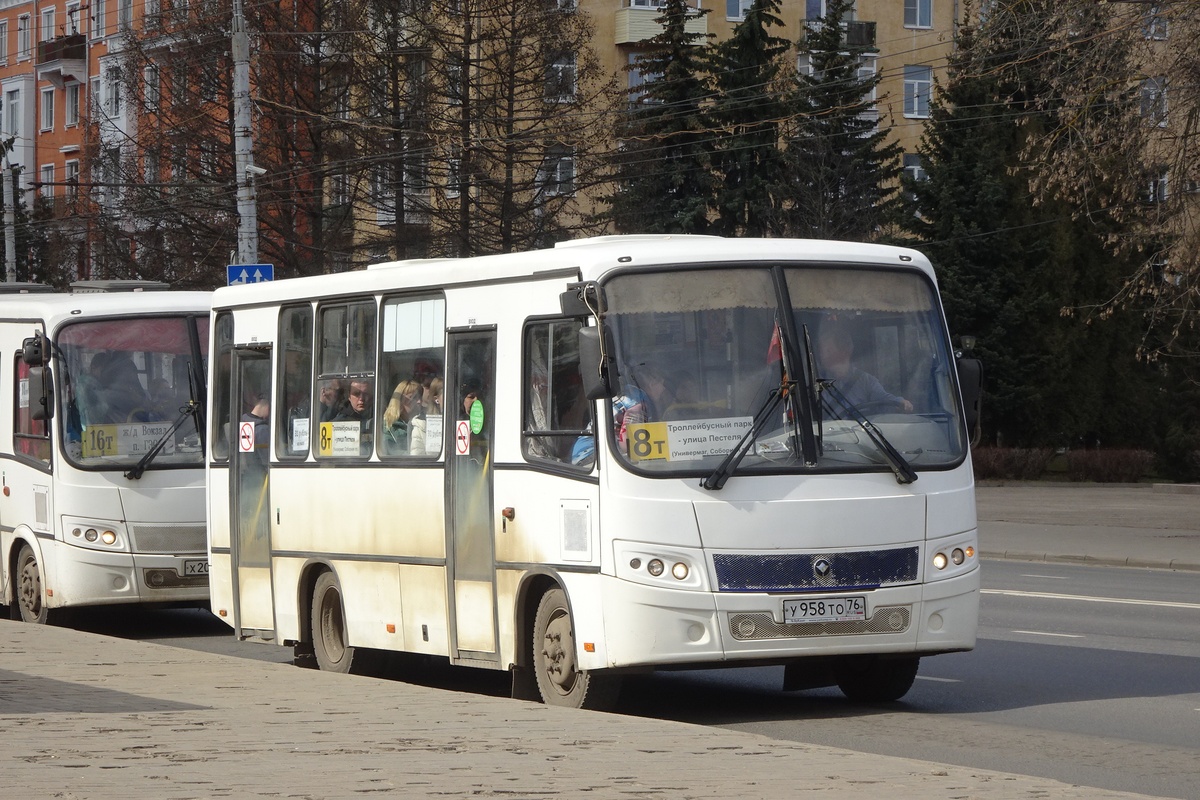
(10, 223)
(243, 143)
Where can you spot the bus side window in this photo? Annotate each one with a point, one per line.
(31, 437)
(558, 422)
(347, 357)
(293, 413)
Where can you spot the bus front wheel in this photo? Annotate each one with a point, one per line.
(559, 681)
(878, 680)
(329, 626)
(29, 588)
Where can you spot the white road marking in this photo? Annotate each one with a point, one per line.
(1049, 577)
(1088, 599)
(938, 680)
(1059, 635)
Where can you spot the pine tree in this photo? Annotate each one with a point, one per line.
(664, 177)
(842, 169)
(749, 111)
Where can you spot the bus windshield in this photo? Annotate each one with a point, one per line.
(702, 355)
(125, 383)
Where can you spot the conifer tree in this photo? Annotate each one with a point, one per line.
(749, 111)
(842, 169)
(664, 178)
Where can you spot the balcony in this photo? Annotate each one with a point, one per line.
(636, 24)
(854, 34)
(62, 59)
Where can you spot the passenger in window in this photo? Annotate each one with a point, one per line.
(644, 399)
(404, 421)
(332, 400)
(835, 348)
(432, 396)
(359, 406)
(258, 414)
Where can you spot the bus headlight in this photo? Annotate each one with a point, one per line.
(96, 535)
(656, 565)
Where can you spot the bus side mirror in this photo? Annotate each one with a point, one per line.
(583, 299)
(41, 393)
(597, 369)
(35, 350)
(970, 383)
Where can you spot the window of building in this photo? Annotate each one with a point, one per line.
(47, 110)
(152, 87)
(71, 178)
(97, 96)
(383, 194)
(557, 174)
(46, 179)
(736, 9)
(3, 41)
(918, 13)
(913, 167)
(71, 27)
(71, 104)
(98, 21)
(124, 16)
(112, 92)
(47, 32)
(1158, 188)
(560, 79)
(557, 425)
(12, 112)
(24, 36)
(1154, 101)
(918, 85)
(1154, 25)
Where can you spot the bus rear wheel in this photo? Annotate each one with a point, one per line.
(559, 681)
(329, 626)
(29, 588)
(878, 680)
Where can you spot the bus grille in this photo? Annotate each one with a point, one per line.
(169, 539)
(806, 572)
(886, 619)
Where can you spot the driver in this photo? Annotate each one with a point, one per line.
(835, 347)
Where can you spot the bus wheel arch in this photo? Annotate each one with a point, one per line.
(553, 658)
(327, 619)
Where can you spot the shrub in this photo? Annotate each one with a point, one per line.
(1011, 463)
(1109, 466)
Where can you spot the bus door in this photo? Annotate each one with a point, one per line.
(470, 413)
(249, 474)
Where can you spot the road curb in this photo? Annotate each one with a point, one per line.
(1178, 565)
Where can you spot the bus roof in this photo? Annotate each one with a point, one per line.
(589, 258)
(58, 307)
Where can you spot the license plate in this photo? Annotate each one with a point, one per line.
(825, 609)
(195, 567)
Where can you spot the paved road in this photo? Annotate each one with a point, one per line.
(89, 716)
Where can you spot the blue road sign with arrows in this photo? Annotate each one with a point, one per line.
(250, 273)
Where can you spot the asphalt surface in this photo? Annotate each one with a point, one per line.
(90, 716)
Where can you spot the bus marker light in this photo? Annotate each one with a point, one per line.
(940, 561)
(680, 571)
(970, 552)
(391, 628)
(589, 647)
(655, 567)
(635, 563)
(222, 613)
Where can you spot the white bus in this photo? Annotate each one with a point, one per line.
(101, 444)
(615, 455)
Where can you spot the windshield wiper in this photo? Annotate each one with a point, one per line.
(190, 409)
(900, 466)
(722, 473)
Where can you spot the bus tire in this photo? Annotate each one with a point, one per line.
(329, 626)
(878, 680)
(29, 600)
(559, 682)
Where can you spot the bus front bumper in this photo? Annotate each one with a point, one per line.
(94, 577)
(646, 625)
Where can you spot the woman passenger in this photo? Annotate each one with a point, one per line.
(403, 422)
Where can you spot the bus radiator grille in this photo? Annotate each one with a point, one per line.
(169, 539)
(886, 619)
(799, 572)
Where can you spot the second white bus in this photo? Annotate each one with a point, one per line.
(101, 447)
(612, 456)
